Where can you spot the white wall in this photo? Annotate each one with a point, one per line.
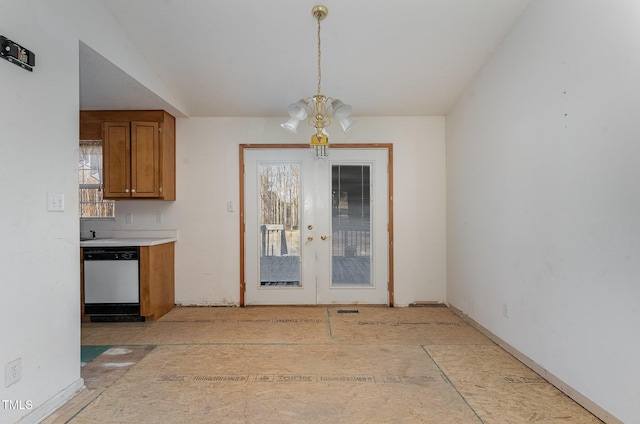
(543, 202)
(207, 252)
(39, 250)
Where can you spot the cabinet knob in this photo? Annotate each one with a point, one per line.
(133, 190)
(126, 190)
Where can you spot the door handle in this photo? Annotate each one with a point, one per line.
(309, 239)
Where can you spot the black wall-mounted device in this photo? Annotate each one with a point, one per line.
(15, 53)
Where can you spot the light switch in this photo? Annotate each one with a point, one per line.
(55, 202)
(230, 206)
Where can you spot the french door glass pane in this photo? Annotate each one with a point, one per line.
(279, 225)
(351, 225)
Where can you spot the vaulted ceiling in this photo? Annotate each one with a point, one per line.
(254, 58)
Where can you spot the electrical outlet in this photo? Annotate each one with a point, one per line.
(128, 218)
(505, 309)
(12, 372)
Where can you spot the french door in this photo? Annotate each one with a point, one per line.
(316, 231)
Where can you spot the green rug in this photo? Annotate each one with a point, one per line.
(89, 353)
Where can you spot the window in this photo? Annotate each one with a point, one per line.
(90, 180)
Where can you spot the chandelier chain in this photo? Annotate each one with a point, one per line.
(319, 56)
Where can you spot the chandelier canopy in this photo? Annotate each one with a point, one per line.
(318, 109)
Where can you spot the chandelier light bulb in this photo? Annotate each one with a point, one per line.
(291, 125)
(340, 110)
(347, 124)
(299, 110)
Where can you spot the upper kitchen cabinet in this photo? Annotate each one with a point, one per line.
(139, 159)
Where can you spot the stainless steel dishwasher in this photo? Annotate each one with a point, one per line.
(111, 283)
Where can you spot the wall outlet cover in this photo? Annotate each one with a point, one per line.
(12, 372)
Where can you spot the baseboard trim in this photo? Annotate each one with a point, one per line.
(47, 408)
(581, 399)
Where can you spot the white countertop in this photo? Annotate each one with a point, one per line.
(124, 241)
(122, 238)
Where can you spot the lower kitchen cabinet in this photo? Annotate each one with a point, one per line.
(157, 280)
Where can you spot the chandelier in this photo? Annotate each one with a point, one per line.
(318, 109)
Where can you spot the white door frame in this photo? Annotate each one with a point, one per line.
(387, 146)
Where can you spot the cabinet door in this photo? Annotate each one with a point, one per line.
(145, 159)
(117, 159)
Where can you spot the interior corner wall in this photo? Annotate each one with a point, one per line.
(208, 247)
(97, 28)
(39, 252)
(543, 233)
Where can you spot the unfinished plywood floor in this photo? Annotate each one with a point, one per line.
(308, 365)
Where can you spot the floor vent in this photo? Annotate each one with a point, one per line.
(348, 311)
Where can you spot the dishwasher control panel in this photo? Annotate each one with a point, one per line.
(110, 254)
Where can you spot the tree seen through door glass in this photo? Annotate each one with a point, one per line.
(279, 225)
